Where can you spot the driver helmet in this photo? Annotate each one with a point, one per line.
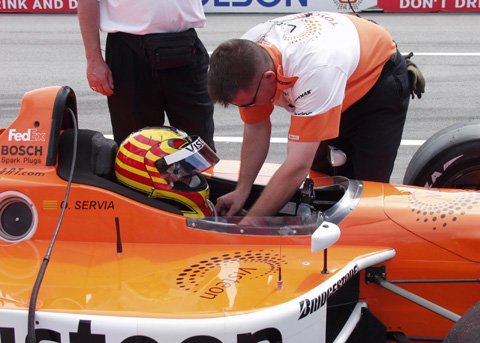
(165, 163)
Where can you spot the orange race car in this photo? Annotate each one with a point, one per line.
(85, 258)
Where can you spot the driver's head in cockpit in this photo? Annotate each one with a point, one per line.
(166, 163)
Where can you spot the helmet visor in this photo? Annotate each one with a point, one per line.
(182, 164)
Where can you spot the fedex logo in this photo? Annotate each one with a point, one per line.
(30, 136)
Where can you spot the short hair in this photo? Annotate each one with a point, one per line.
(233, 66)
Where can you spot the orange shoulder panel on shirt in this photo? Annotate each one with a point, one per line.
(315, 128)
(376, 47)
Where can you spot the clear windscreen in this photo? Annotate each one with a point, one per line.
(260, 226)
(183, 164)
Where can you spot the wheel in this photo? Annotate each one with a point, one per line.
(466, 329)
(448, 159)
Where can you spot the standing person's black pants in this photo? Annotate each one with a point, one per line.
(142, 96)
(371, 129)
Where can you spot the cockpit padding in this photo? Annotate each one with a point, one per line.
(95, 166)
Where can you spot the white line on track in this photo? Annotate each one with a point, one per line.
(225, 139)
(446, 54)
(467, 54)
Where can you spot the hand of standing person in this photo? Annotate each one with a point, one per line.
(256, 141)
(98, 73)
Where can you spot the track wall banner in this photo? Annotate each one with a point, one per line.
(270, 6)
(429, 5)
(285, 6)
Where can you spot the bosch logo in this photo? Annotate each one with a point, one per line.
(22, 150)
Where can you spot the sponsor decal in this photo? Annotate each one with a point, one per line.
(22, 150)
(309, 306)
(429, 5)
(38, 5)
(84, 334)
(20, 172)
(302, 113)
(18, 160)
(304, 94)
(186, 152)
(246, 3)
(191, 278)
(30, 136)
(442, 212)
(284, 83)
(23, 154)
(71, 5)
(220, 287)
(195, 146)
(293, 137)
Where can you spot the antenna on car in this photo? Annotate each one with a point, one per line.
(325, 258)
(119, 239)
(280, 281)
(325, 235)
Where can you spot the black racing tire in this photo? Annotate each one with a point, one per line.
(448, 159)
(466, 329)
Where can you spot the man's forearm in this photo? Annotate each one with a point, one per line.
(256, 141)
(282, 186)
(89, 20)
(287, 179)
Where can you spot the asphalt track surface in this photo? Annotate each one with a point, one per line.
(40, 50)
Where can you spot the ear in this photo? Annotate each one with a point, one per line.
(270, 76)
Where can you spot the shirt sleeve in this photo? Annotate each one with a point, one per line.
(318, 105)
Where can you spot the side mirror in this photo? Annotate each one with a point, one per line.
(324, 236)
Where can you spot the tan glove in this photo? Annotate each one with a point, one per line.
(417, 81)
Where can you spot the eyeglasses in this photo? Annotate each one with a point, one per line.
(252, 103)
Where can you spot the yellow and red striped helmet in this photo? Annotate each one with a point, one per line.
(165, 163)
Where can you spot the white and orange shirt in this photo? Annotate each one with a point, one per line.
(325, 62)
